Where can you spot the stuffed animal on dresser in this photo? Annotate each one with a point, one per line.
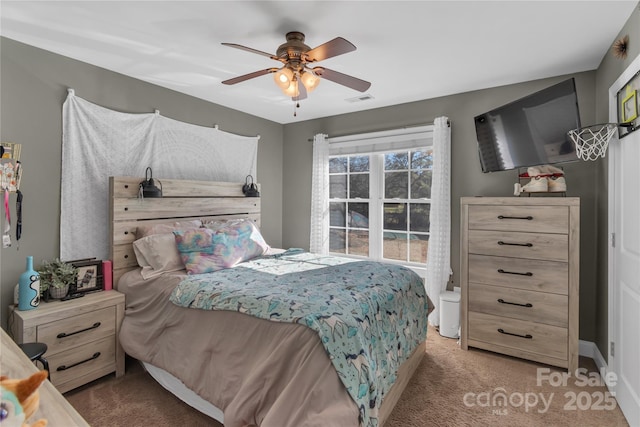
(20, 400)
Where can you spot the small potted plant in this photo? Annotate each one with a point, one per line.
(56, 277)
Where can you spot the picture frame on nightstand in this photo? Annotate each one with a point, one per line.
(89, 278)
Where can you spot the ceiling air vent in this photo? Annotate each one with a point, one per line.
(364, 97)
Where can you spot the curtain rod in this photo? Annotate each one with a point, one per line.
(384, 130)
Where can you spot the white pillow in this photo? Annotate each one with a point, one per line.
(216, 225)
(147, 230)
(157, 254)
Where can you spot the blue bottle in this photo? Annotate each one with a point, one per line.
(29, 287)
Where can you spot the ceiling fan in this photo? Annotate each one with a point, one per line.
(296, 58)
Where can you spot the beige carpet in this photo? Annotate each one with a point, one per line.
(451, 387)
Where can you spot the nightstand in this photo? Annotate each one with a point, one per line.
(81, 335)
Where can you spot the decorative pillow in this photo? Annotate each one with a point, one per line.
(157, 254)
(148, 230)
(205, 250)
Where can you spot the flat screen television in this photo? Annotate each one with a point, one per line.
(530, 131)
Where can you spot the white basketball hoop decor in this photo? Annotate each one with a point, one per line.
(592, 141)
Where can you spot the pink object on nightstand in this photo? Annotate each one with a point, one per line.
(107, 275)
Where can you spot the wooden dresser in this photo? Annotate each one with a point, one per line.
(519, 271)
(81, 336)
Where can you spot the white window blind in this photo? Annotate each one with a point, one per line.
(381, 142)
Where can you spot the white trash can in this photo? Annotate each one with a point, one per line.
(449, 314)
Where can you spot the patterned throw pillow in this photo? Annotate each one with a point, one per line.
(204, 250)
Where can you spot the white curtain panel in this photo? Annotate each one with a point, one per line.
(319, 235)
(439, 252)
(98, 143)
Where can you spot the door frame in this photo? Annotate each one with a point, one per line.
(614, 146)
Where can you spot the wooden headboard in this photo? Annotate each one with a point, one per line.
(181, 200)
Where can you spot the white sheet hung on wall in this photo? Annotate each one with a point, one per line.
(98, 143)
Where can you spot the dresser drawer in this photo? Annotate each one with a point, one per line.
(73, 331)
(80, 362)
(553, 247)
(550, 309)
(541, 219)
(520, 273)
(545, 340)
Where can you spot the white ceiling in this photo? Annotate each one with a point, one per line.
(408, 50)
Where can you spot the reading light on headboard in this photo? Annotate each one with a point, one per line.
(250, 189)
(148, 187)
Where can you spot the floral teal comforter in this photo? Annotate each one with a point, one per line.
(369, 315)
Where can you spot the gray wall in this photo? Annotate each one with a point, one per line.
(34, 85)
(608, 72)
(467, 177)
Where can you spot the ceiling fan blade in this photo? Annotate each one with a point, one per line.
(249, 49)
(302, 92)
(332, 48)
(249, 76)
(343, 79)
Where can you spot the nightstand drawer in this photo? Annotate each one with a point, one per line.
(545, 340)
(77, 330)
(552, 247)
(520, 273)
(541, 219)
(540, 307)
(80, 362)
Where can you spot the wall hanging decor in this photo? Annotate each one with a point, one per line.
(124, 144)
(10, 177)
(10, 166)
(620, 47)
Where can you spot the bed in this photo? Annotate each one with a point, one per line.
(251, 362)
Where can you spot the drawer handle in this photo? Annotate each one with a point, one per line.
(500, 242)
(501, 301)
(528, 273)
(64, 334)
(528, 336)
(528, 218)
(65, 367)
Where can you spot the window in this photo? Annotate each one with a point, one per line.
(379, 204)
(386, 196)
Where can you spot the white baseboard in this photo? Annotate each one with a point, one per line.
(590, 349)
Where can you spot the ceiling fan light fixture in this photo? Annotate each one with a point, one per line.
(309, 80)
(292, 91)
(296, 58)
(283, 77)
